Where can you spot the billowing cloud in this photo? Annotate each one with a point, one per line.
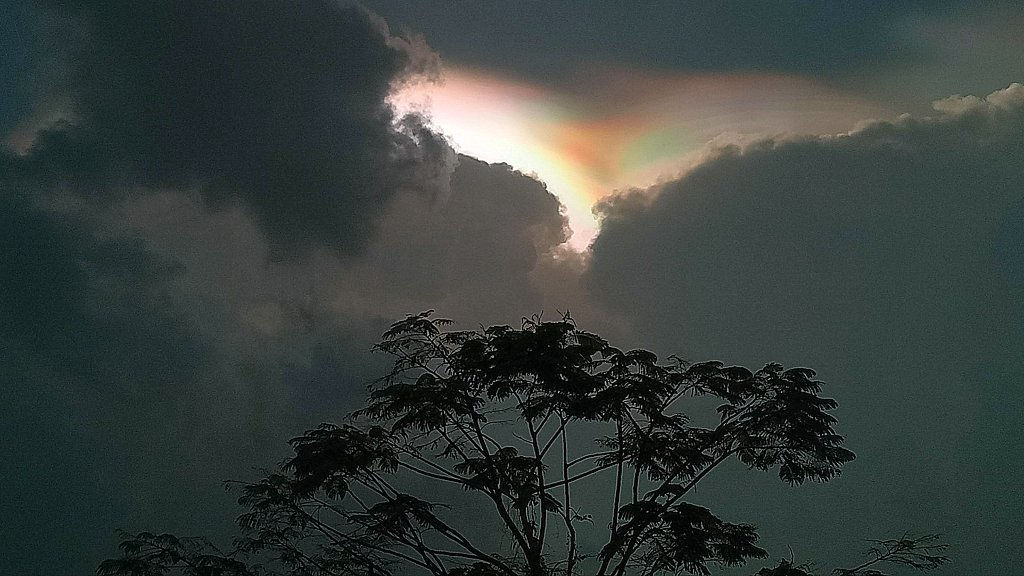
(151, 347)
(889, 259)
(135, 381)
(208, 213)
(277, 106)
(471, 252)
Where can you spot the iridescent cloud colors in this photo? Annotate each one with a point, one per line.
(619, 129)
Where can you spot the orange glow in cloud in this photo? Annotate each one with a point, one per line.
(622, 129)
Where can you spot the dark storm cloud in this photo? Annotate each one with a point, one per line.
(890, 259)
(89, 337)
(279, 106)
(471, 252)
(134, 376)
(151, 348)
(551, 40)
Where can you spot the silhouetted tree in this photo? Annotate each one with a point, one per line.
(492, 412)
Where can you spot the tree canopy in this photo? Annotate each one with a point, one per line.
(496, 413)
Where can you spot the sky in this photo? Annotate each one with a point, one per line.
(210, 210)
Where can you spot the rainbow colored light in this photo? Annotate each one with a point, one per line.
(620, 129)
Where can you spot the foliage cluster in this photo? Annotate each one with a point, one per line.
(493, 412)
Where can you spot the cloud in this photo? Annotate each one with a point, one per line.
(152, 347)
(135, 375)
(888, 258)
(94, 356)
(470, 253)
(198, 257)
(208, 213)
(561, 43)
(279, 107)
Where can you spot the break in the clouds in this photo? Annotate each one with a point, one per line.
(621, 128)
(890, 258)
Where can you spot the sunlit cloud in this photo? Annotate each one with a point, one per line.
(622, 128)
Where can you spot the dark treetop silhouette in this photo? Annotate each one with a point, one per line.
(491, 412)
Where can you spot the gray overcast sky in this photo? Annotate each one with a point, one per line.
(210, 210)
(918, 50)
